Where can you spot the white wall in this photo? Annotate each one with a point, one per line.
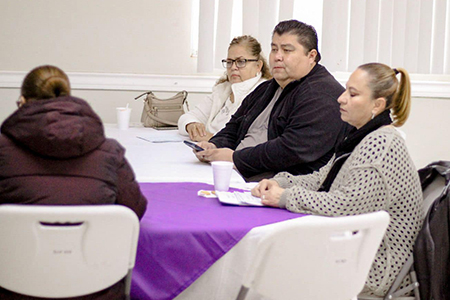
(111, 36)
(144, 37)
(96, 36)
(427, 130)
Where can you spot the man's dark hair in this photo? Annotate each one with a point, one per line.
(307, 35)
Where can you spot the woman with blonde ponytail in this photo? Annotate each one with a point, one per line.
(371, 170)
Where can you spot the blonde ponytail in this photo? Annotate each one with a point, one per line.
(401, 103)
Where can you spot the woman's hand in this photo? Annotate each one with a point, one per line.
(197, 132)
(269, 191)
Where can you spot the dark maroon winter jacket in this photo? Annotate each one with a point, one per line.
(54, 152)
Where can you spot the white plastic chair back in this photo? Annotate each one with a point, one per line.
(65, 251)
(317, 257)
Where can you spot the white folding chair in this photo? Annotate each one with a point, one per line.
(316, 258)
(66, 251)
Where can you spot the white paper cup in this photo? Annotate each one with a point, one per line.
(222, 175)
(123, 117)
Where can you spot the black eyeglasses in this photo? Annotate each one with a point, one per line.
(240, 62)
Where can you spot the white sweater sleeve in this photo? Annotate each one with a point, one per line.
(200, 114)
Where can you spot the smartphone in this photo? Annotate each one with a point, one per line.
(193, 146)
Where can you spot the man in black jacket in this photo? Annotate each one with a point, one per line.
(290, 123)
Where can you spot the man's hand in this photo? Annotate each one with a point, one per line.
(211, 153)
(201, 154)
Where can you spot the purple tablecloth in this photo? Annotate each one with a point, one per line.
(183, 234)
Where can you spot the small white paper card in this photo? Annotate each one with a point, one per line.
(239, 198)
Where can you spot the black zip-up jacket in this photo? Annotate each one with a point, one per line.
(304, 126)
(432, 245)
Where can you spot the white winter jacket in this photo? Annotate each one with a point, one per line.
(216, 110)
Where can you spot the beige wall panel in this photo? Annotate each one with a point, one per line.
(427, 131)
(107, 36)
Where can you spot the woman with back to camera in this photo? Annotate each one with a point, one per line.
(370, 171)
(53, 151)
(246, 69)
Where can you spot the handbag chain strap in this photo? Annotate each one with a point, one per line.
(146, 93)
(185, 94)
(150, 92)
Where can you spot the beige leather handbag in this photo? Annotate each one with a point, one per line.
(159, 113)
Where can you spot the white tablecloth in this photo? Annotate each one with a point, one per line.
(161, 156)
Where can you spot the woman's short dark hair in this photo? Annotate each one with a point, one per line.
(45, 82)
(307, 35)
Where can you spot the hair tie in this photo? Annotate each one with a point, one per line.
(396, 71)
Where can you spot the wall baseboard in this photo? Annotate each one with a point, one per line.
(123, 82)
(190, 83)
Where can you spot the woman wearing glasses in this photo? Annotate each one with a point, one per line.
(246, 68)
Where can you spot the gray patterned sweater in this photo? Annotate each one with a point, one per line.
(378, 175)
